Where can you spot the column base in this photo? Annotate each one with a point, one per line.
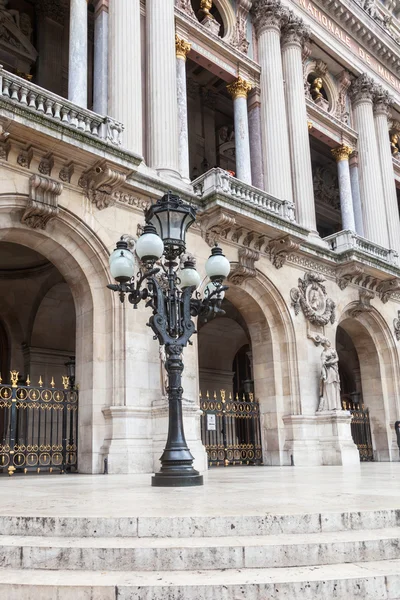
(164, 480)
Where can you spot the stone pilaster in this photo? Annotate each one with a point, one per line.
(382, 106)
(341, 154)
(254, 112)
(162, 107)
(182, 50)
(239, 90)
(125, 76)
(355, 192)
(100, 70)
(294, 35)
(362, 93)
(78, 51)
(267, 19)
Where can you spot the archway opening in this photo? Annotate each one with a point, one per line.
(38, 312)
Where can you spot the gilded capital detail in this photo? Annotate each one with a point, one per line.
(342, 152)
(182, 47)
(268, 14)
(239, 88)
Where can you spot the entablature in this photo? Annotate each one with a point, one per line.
(329, 126)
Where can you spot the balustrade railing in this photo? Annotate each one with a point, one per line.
(19, 91)
(218, 181)
(348, 240)
(38, 426)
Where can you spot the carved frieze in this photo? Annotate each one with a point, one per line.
(42, 203)
(239, 39)
(45, 166)
(341, 108)
(100, 183)
(280, 248)
(364, 303)
(245, 268)
(311, 297)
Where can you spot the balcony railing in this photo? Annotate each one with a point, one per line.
(218, 181)
(41, 102)
(345, 241)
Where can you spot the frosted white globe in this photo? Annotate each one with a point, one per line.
(189, 277)
(211, 287)
(218, 266)
(150, 246)
(122, 264)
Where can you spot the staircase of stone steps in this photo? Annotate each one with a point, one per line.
(339, 556)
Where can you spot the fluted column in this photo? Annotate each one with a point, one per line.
(382, 106)
(239, 90)
(254, 111)
(341, 155)
(362, 93)
(182, 50)
(100, 69)
(78, 52)
(267, 19)
(355, 192)
(294, 34)
(125, 71)
(162, 106)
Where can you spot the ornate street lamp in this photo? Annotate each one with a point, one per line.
(169, 293)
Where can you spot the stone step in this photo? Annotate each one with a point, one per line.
(365, 581)
(198, 526)
(185, 554)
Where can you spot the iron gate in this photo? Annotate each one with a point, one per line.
(360, 429)
(38, 426)
(230, 429)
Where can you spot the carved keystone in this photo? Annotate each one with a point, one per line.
(364, 303)
(42, 203)
(245, 268)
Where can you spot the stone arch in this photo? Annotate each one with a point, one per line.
(82, 260)
(379, 366)
(275, 372)
(228, 17)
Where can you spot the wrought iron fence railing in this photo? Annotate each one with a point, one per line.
(38, 426)
(360, 428)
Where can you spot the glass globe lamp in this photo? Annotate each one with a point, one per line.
(122, 262)
(217, 266)
(149, 246)
(189, 276)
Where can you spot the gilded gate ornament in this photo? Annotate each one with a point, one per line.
(310, 296)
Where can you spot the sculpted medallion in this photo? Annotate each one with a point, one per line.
(310, 296)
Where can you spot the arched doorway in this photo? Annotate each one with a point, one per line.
(369, 369)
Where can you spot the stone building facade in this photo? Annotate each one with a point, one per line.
(280, 121)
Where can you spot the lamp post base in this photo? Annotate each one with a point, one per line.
(187, 480)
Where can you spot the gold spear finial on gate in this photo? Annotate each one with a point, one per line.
(28, 381)
(65, 381)
(14, 378)
(52, 382)
(223, 393)
(40, 381)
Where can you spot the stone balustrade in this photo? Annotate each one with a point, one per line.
(345, 241)
(218, 181)
(43, 103)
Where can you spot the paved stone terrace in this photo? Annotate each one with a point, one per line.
(227, 491)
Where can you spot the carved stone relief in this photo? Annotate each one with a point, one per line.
(326, 188)
(310, 296)
(280, 248)
(245, 268)
(42, 203)
(364, 303)
(99, 184)
(396, 325)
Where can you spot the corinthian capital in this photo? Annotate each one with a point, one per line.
(182, 47)
(239, 88)
(362, 89)
(382, 101)
(295, 31)
(267, 14)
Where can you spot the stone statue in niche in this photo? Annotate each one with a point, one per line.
(316, 87)
(330, 380)
(394, 144)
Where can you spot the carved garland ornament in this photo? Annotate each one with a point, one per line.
(311, 297)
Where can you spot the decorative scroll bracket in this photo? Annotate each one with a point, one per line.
(245, 268)
(101, 182)
(387, 288)
(364, 303)
(280, 248)
(43, 201)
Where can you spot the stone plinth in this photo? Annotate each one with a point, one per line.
(334, 433)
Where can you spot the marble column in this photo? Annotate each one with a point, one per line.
(100, 69)
(78, 53)
(182, 50)
(382, 106)
(355, 192)
(162, 107)
(267, 20)
(239, 90)
(256, 156)
(362, 92)
(125, 71)
(341, 154)
(294, 35)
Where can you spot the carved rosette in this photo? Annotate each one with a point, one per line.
(310, 296)
(268, 14)
(239, 88)
(363, 89)
(294, 31)
(182, 48)
(42, 203)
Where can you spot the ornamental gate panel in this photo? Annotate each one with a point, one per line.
(230, 429)
(360, 429)
(38, 426)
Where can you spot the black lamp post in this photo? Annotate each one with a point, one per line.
(168, 291)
